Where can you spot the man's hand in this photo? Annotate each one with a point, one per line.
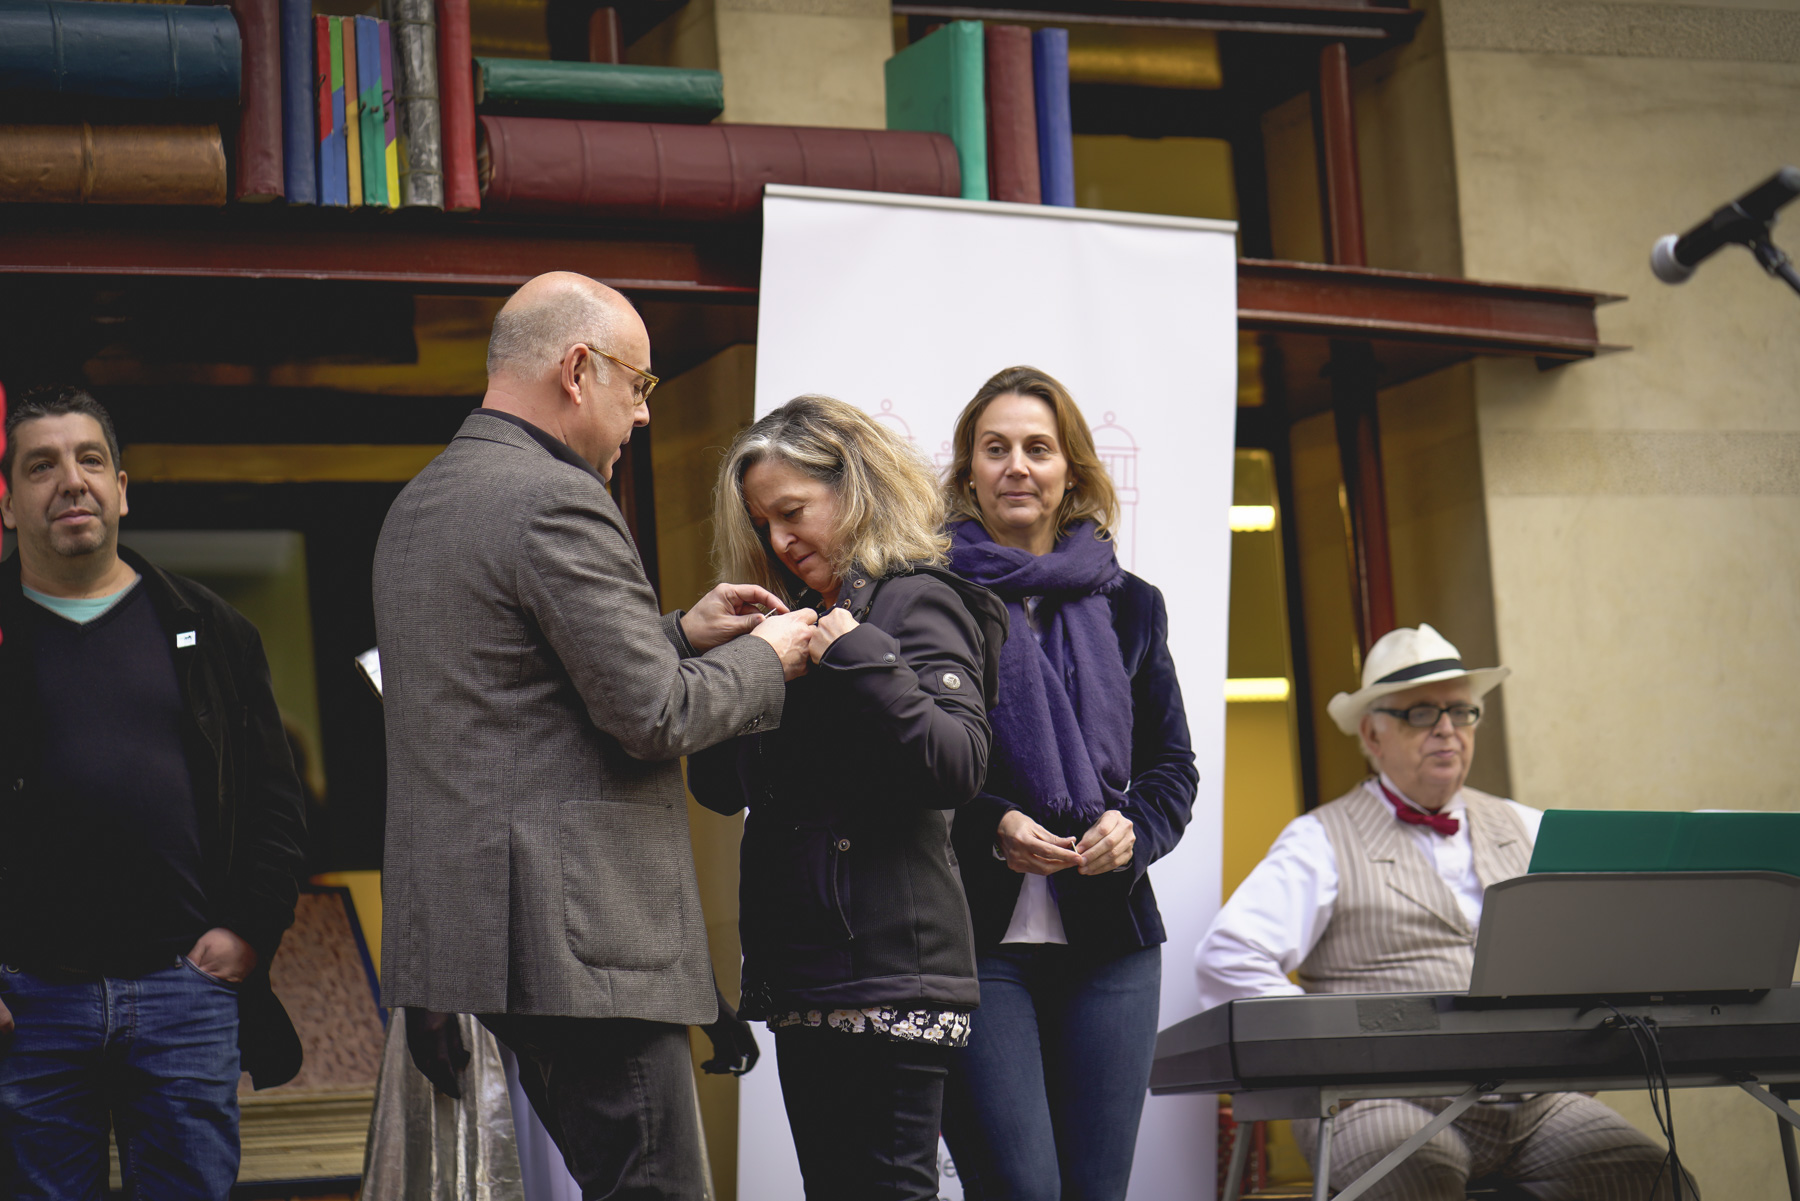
(435, 1041)
(789, 634)
(1106, 847)
(223, 956)
(1028, 847)
(831, 627)
(726, 612)
(6, 1026)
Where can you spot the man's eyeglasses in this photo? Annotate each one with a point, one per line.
(640, 388)
(1424, 717)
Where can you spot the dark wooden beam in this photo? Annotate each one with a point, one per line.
(1372, 24)
(1354, 383)
(1442, 319)
(1340, 180)
(1464, 316)
(1355, 378)
(425, 249)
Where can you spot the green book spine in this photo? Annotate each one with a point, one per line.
(597, 91)
(938, 84)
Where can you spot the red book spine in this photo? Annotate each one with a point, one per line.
(261, 170)
(1012, 117)
(548, 168)
(456, 104)
(322, 72)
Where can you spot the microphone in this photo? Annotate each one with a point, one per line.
(1744, 220)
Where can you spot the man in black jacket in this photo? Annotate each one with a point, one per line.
(150, 838)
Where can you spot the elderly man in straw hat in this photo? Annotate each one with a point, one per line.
(1380, 891)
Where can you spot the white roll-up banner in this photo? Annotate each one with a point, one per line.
(905, 305)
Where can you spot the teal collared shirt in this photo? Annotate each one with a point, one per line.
(79, 609)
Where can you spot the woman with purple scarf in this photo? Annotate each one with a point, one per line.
(1091, 780)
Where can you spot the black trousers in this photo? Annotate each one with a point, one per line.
(865, 1112)
(617, 1096)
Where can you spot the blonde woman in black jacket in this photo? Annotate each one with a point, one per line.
(858, 950)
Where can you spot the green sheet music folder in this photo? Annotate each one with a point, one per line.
(1601, 840)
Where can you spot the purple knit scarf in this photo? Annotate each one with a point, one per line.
(1062, 729)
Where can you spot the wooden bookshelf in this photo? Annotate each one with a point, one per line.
(427, 249)
(1371, 22)
(1414, 323)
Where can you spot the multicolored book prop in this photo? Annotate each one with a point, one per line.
(371, 112)
(541, 167)
(456, 105)
(112, 164)
(353, 153)
(333, 164)
(518, 87)
(390, 147)
(1012, 116)
(416, 119)
(937, 84)
(299, 104)
(1055, 129)
(124, 51)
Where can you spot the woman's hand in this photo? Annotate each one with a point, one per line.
(726, 612)
(831, 627)
(1106, 847)
(1028, 847)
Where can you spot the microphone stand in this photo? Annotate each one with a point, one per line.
(1754, 233)
(1774, 260)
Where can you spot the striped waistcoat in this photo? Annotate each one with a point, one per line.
(1396, 926)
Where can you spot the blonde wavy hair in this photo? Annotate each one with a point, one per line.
(890, 509)
(1091, 497)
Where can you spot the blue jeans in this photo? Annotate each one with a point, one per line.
(155, 1055)
(1043, 1104)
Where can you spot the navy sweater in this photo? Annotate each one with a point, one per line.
(109, 846)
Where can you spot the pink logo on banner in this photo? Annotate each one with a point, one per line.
(894, 421)
(1118, 452)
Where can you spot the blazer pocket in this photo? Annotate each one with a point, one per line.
(624, 869)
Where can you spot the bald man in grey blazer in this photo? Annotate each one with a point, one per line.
(537, 868)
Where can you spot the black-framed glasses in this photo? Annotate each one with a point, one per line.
(646, 383)
(1425, 717)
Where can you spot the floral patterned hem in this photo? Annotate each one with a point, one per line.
(942, 1027)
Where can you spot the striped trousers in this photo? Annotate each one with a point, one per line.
(1554, 1146)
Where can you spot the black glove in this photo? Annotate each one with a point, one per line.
(437, 1049)
(734, 1043)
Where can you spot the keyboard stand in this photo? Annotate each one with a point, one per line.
(1325, 1103)
(1787, 1121)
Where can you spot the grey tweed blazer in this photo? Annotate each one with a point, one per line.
(537, 856)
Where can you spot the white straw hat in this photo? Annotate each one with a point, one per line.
(1402, 659)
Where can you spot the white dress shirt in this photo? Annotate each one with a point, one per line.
(1279, 913)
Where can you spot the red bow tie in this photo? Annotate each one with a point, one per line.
(1437, 821)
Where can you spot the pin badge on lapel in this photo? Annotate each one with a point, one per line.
(185, 639)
